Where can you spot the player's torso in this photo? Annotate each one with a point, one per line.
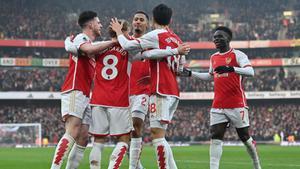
(111, 85)
(229, 92)
(163, 71)
(80, 74)
(140, 77)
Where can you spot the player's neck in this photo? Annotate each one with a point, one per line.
(161, 26)
(225, 49)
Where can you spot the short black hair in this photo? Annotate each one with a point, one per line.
(225, 29)
(142, 12)
(162, 14)
(86, 16)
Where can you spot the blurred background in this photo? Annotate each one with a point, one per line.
(33, 65)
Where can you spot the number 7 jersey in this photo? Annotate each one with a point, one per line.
(111, 84)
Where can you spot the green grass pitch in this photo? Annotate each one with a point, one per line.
(192, 157)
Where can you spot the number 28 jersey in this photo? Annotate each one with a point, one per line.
(111, 84)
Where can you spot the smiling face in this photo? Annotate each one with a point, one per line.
(221, 39)
(139, 24)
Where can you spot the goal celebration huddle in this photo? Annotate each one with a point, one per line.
(111, 86)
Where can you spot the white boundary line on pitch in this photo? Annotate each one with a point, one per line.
(239, 163)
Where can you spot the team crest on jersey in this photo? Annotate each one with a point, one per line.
(228, 60)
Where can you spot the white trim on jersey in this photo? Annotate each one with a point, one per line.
(243, 93)
(230, 50)
(100, 105)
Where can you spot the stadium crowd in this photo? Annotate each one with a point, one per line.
(50, 79)
(258, 53)
(32, 79)
(250, 20)
(14, 52)
(190, 123)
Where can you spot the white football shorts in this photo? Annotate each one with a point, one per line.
(75, 103)
(110, 121)
(162, 109)
(238, 117)
(139, 105)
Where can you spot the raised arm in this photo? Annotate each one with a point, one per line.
(182, 49)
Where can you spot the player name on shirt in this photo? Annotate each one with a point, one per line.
(119, 49)
(172, 39)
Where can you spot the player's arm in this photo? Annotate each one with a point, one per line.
(71, 47)
(203, 76)
(147, 41)
(91, 49)
(245, 68)
(182, 49)
(189, 73)
(244, 63)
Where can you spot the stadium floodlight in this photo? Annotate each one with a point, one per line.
(214, 16)
(287, 13)
(20, 135)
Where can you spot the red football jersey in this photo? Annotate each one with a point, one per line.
(163, 71)
(140, 78)
(111, 85)
(81, 69)
(228, 89)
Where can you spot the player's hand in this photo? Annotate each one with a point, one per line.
(183, 49)
(116, 26)
(185, 72)
(69, 46)
(114, 40)
(224, 69)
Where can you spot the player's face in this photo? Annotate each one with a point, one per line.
(140, 23)
(221, 39)
(96, 26)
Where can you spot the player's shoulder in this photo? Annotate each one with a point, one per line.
(81, 37)
(214, 54)
(155, 32)
(239, 53)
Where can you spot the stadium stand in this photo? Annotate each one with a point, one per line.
(250, 21)
(190, 122)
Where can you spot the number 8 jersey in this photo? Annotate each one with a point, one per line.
(111, 84)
